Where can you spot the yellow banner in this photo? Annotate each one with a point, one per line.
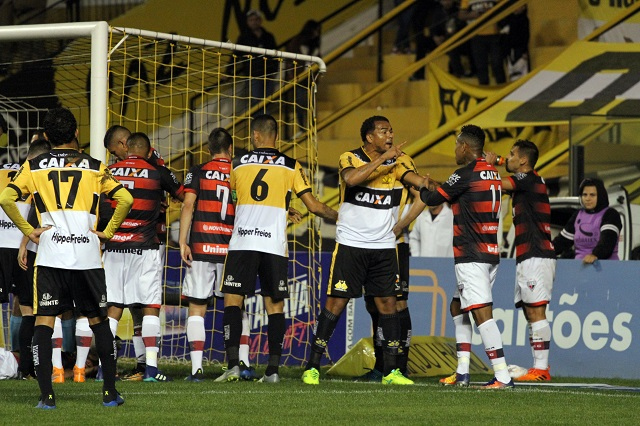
(594, 13)
(588, 78)
(451, 97)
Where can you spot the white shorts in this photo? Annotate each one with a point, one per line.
(202, 280)
(534, 281)
(475, 281)
(134, 277)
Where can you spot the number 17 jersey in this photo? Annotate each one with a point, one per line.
(66, 186)
(264, 180)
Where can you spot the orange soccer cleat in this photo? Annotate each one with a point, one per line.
(497, 384)
(78, 374)
(58, 375)
(535, 375)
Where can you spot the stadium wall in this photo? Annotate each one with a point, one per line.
(594, 315)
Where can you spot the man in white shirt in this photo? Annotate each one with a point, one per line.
(432, 233)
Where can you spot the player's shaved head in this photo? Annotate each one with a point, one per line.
(37, 147)
(115, 133)
(139, 144)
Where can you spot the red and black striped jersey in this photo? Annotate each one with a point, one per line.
(147, 184)
(474, 192)
(531, 217)
(214, 212)
(161, 226)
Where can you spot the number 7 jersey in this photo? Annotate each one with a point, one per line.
(264, 180)
(66, 186)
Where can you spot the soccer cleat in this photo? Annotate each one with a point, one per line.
(58, 375)
(78, 374)
(133, 377)
(230, 375)
(197, 377)
(396, 378)
(496, 384)
(372, 376)
(456, 379)
(23, 376)
(535, 375)
(274, 378)
(119, 400)
(311, 377)
(247, 373)
(43, 406)
(155, 375)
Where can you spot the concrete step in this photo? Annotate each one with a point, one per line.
(409, 123)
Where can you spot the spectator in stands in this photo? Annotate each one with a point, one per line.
(516, 29)
(440, 23)
(486, 48)
(261, 72)
(432, 233)
(593, 230)
(306, 42)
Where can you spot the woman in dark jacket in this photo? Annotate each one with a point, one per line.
(594, 229)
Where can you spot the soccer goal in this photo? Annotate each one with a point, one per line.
(177, 89)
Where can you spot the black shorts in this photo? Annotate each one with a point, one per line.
(241, 268)
(25, 292)
(403, 268)
(354, 269)
(12, 276)
(60, 290)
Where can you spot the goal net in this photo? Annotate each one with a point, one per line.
(177, 89)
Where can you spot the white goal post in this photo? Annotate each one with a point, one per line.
(99, 34)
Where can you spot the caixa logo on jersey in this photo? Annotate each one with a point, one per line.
(48, 300)
(70, 239)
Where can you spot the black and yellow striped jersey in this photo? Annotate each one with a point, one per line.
(10, 235)
(264, 180)
(66, 187)
(368, 211)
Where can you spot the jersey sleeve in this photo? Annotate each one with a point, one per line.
(405, 165)
(109, 185)
(300, 181)
(169, 182)
(192, 180)
(346, 161)
(456, 185)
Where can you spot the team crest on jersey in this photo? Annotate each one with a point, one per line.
(460, 286)
(340, 285)
(520, 175)
(188, 178)
(282, 286)
(386, 179)
(453, 179)
(531, 284)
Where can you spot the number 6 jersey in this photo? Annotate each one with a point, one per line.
(264, 180)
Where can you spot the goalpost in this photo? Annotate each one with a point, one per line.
(177, 89)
